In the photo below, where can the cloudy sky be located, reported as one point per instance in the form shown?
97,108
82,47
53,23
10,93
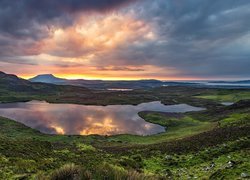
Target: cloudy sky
126,39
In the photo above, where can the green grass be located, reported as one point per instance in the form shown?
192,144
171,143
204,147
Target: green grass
103,171
26,153
227,96
236,119
199,165
191,143
176,128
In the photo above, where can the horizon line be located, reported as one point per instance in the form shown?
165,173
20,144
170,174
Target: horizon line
81,77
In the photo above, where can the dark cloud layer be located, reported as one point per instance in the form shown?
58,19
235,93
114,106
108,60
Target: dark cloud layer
201,38
24,22
24,18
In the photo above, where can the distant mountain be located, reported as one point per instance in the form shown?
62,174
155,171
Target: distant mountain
11,78
97,84
47,82
11,83
232,82
137,84
246,81
47,78
13,88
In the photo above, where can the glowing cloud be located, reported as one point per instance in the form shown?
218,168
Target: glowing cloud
92,36
162,39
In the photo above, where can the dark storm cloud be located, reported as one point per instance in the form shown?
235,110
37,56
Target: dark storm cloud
198,37
24,18
24,22
201,38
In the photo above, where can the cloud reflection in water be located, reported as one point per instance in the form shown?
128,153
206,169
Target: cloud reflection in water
85,120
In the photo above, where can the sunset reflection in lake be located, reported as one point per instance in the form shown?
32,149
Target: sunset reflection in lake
73,119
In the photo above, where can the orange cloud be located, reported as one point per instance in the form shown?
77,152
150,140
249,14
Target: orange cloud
88,50
96,35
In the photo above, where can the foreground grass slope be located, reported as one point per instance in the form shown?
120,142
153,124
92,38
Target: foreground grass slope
212,144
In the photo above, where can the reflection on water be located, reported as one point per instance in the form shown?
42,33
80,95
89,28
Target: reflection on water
227,103
84,120
119,89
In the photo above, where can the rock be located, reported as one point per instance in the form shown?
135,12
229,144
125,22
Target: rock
212,165
206,168
168,157
244,175
230,164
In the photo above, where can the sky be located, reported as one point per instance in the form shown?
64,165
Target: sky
126,39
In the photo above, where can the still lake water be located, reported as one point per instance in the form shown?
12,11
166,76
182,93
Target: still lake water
227,103
74,119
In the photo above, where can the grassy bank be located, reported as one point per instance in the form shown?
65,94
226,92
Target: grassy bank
227,95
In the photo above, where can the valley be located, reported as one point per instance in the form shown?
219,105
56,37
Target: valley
208,144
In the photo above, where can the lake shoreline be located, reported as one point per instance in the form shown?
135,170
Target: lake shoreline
89,118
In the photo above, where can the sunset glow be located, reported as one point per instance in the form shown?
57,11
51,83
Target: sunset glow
59,130
127,40
107,127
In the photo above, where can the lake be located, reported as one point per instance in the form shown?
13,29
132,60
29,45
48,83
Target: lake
74,119
227,103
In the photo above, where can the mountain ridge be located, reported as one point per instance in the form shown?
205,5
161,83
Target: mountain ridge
97,84
46,78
